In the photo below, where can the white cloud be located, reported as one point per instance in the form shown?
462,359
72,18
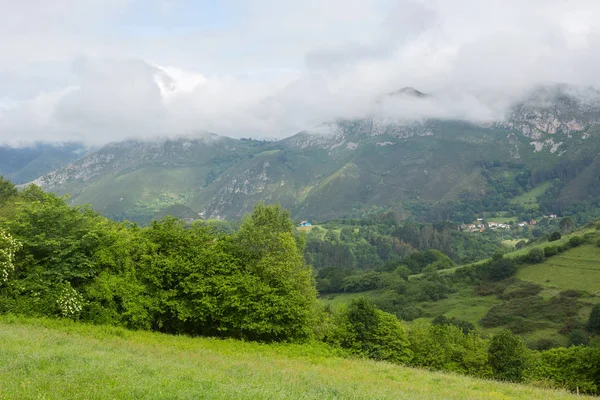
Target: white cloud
76,70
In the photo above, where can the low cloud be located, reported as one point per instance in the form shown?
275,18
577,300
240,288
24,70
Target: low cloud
271,69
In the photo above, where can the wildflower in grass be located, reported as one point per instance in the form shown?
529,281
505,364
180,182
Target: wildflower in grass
70,302
8,248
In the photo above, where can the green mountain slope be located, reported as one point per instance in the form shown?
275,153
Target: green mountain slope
23,164
60,359
351,168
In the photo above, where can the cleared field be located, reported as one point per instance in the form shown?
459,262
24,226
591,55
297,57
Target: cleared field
46,359
577,268
529,199
462,305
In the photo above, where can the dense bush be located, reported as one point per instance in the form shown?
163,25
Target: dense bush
555,236
593,325
365,330
447,347
575,368
501,268
168,277
535,255
508,356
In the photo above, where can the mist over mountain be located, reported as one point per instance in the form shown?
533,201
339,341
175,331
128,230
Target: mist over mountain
410,163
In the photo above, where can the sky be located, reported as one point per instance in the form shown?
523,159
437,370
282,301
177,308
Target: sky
97,71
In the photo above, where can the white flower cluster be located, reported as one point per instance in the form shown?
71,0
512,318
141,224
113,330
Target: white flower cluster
8,247
70,302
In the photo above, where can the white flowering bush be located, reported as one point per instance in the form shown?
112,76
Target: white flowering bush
8,248
70,302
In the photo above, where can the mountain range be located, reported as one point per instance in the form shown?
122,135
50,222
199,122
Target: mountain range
547,143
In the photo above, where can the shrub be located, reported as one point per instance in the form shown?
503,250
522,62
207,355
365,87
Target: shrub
555,236
507,356
550,251
575,368
535,255
576,241
446,347
365,330
593,324
501,268
544,344
578,338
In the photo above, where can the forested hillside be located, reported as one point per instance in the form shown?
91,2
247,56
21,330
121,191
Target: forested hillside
253,283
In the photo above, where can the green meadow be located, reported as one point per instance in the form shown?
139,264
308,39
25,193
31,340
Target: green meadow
58,359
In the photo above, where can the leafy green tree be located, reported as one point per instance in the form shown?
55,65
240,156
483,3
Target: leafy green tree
593,324
446,347
567,225
272,253
7,190
501,268
555,236
365,330
507,355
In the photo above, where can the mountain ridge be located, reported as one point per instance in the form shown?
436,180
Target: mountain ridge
340,168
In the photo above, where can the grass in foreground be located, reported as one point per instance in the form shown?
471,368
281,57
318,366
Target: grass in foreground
52,359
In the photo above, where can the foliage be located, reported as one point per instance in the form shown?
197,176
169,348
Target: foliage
365,330
535,255
447,347
576,368
593,324
555,236
507,356
501,268
8,247
168,277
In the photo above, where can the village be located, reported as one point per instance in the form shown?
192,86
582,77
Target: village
481,225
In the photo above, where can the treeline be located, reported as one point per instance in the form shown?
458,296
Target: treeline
361,244
169,277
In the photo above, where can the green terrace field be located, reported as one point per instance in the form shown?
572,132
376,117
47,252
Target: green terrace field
529,199
577,269
58,359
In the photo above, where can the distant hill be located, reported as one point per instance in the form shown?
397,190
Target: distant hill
426,169
24,164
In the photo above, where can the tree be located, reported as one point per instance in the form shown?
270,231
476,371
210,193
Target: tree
555,236
7,190
283,287
501,268
507,356
365,330
593,325
567,225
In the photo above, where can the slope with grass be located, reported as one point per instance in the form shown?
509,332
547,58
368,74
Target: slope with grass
544,302
55,359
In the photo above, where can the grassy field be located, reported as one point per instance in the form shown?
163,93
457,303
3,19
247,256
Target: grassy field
529,199
463,304
577,268
46,359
